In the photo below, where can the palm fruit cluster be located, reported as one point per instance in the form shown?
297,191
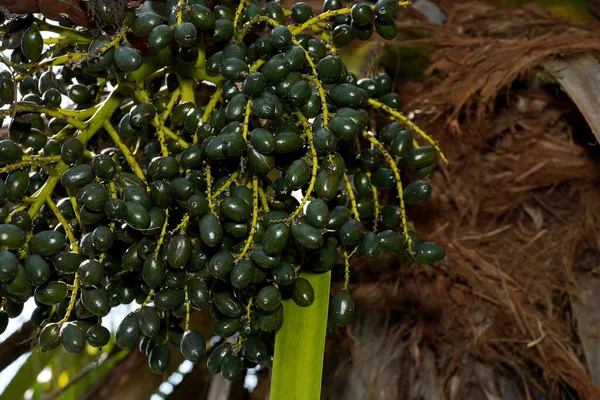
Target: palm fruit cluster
143,192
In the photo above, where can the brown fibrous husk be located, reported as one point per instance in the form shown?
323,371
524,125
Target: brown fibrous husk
516,209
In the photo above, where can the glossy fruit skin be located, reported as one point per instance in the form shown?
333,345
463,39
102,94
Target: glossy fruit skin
215,360
97,336
159,359
127,59
46,243
227,327
369,245
72,338
429,252
149,321
268,298
145,23
192,346
50,337
227,305
160,37
168,299
211,230
221,264
179,250
32,44
301,12
275,238
8,266
128,331
303,292
341,306
202,18
96,300
51,293
232,367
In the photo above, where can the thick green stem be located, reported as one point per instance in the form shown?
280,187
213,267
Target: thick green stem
95,123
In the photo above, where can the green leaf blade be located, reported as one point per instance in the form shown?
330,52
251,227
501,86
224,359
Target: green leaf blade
300,345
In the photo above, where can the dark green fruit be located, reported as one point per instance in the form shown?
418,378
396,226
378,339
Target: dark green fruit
17,184
38,270
47,243
362,14
303,292
137,216
327,184
78,176
351,233
341,308
385,30
72,338
90,272
343,128
233,69
198,292
369,245
307,236
159,359
149,321
202,18
221,264
301,12
317,213
8,265
281,37
330,69
97,336
223,30
128,331
268,322
391,242
324,141
228,305
160,37
10,152
275,238
32,44
153,272
347,95
383,178
71,150
168,299
235,209
96,300
50,293
297,174
145,23
127,59
422,157
242,274
49,337
215,360
268,298
262,259
192,346
254,349
428,253
417,192
211,230
179,250
232,367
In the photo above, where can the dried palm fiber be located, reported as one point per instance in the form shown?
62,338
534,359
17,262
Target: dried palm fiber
482,50
517,211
